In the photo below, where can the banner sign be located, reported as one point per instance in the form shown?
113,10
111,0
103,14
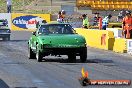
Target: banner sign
28,21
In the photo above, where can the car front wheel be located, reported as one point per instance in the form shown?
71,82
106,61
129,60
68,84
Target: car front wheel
39,56
8,38
83,55
31,54
72,57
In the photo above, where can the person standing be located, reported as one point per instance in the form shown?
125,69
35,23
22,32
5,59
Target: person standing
105,21
63,14
85,21
127,25
96,19
9,4
60,18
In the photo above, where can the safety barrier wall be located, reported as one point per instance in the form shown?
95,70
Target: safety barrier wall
101,39
104,39
117,32
129,46
27,22
120,45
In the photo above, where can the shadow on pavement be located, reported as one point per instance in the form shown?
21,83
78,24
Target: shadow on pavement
3,84
14,41
100,61
62,60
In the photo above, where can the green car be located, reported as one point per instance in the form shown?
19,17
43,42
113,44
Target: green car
57,39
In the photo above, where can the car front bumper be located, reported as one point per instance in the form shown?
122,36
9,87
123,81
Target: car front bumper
63,51
4,35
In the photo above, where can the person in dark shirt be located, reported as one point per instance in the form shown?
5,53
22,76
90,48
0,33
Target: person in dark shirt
9,4
96,19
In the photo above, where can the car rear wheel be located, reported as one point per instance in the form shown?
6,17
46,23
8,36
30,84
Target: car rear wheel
83,55
4,39
72,57
8,38
39,56
31,54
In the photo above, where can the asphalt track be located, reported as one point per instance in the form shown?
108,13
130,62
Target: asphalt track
16,70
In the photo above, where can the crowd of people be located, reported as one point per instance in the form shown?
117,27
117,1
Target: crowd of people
126,23
97,21
102,23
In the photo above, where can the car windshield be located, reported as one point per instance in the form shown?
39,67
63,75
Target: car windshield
56,29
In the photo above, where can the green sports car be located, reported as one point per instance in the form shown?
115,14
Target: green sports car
57,39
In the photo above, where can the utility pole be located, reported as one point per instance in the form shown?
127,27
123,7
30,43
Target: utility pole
23,3
51,7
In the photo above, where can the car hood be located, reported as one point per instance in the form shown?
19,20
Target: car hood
70,39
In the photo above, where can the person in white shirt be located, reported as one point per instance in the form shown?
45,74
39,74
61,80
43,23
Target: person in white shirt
9,3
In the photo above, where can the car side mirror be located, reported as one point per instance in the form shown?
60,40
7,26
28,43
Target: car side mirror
34,33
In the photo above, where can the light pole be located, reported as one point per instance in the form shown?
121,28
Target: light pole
50,6
23,3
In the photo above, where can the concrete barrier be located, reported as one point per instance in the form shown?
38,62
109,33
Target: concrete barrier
117,32
129,46
104,39
120,45
101,39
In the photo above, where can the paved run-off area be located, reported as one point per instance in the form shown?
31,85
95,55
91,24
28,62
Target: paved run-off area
16,70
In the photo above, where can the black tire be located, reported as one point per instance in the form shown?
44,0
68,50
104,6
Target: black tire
8,38
39,56
4,39
72,57
83,55
31,54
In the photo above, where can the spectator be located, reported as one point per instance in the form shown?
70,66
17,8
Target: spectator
85,21
121,15
9,3
127,25
96,19
60,18
105,21
63,14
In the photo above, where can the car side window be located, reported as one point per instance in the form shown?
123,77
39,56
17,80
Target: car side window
67,30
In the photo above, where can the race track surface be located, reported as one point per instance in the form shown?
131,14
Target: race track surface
16,70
